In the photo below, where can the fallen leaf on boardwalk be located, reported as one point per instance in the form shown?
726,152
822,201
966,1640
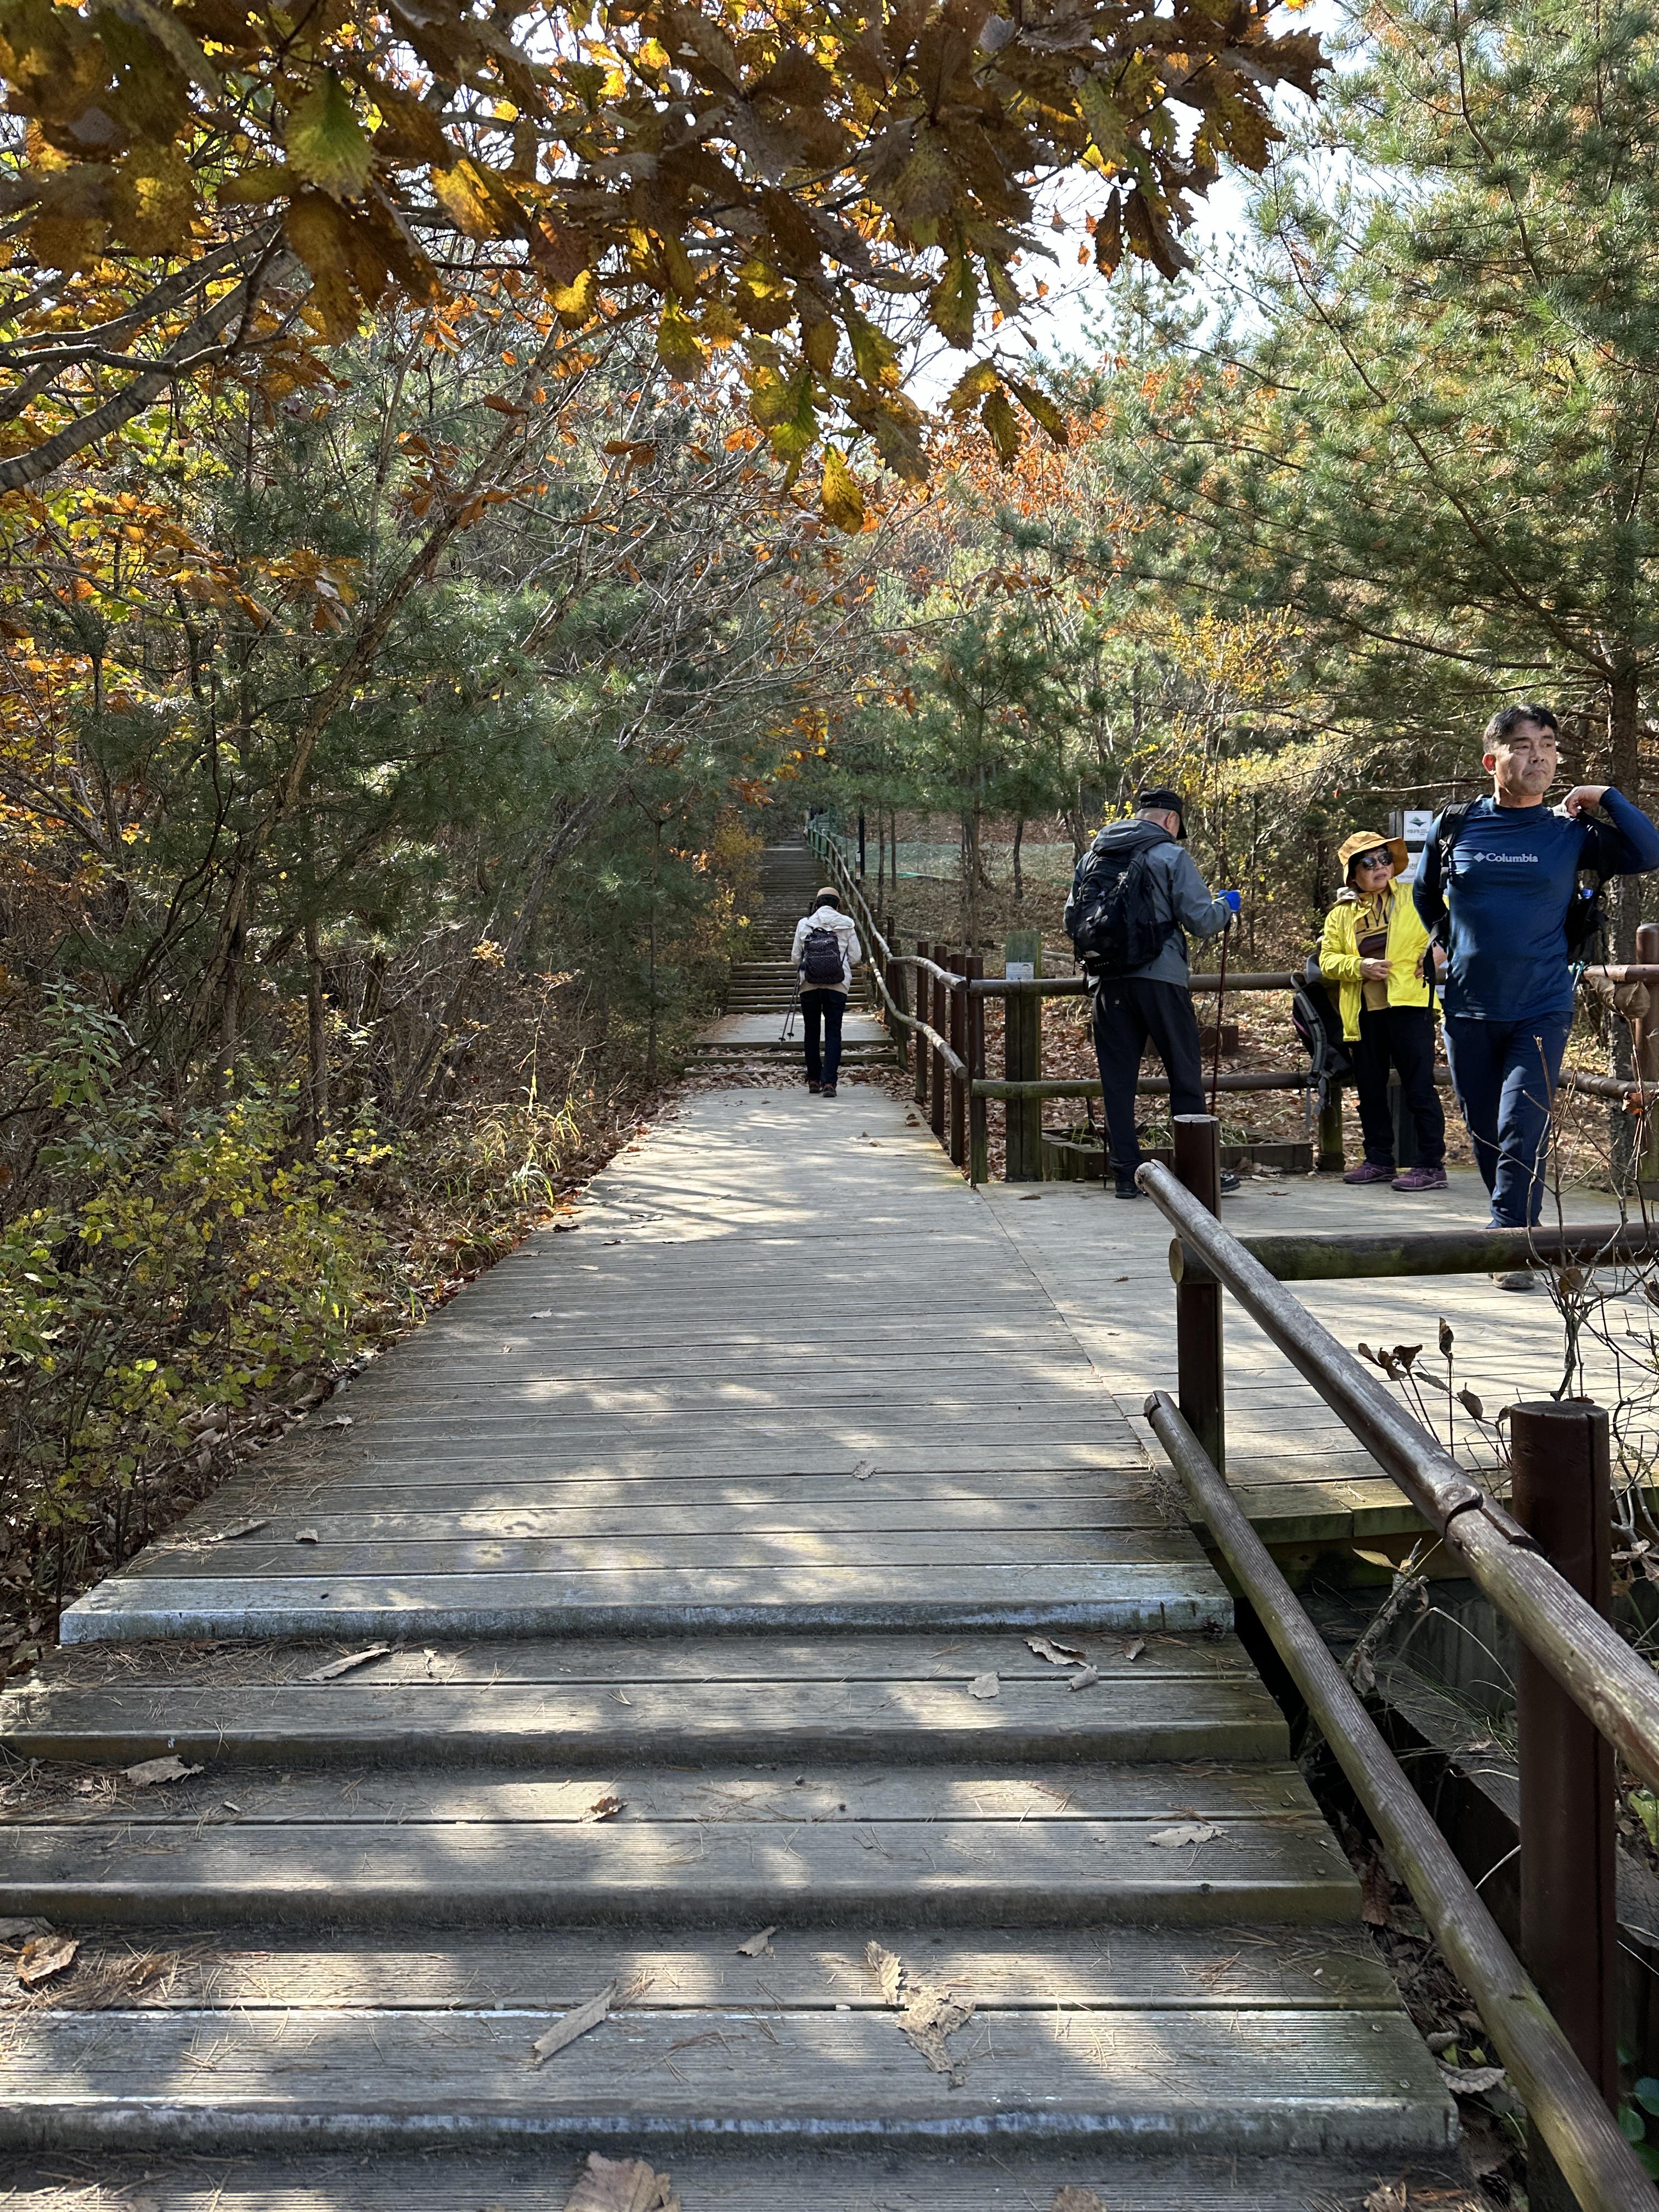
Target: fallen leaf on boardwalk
546,1314
43,1956
344,1666
1462,2080
242,1528
1376,1894
604,1809
340,1421
931,2017
1190,1832
620,2185
305,1536
888,1969
158,1770
758,1947
14,1931
984,1686
1133,1650
1073,2199
610,1999
1057,1655
863,1470
1085,1678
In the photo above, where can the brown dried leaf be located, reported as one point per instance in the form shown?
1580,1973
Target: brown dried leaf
863,1470
984,1686
1073,2199
305,1536
150,1771
241,1528
344,1666
14,1931
1405,1354
1376,1894
1472,1404
43,1956
1189,1832
1471,2081
759,1946
1085,1678
1057,1655
1133,1650
888,1970
931,2017
578,2022
1447,1338
604,1808
620,2185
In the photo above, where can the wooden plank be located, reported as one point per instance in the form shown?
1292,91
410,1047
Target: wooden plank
1271,2080
1150,1969
420,1723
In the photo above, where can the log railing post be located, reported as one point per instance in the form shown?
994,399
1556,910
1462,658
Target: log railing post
896,980
1328,1159
938,1016
1562,1497
979,1145
1647,1059
1198,1304
959,1036
923,1056
1022,1058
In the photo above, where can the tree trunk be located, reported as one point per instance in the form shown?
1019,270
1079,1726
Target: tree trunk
1019,879
317,1104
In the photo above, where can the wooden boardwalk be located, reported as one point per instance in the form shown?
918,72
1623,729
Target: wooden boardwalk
714,1547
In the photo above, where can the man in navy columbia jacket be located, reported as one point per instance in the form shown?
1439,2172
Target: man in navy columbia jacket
1511,875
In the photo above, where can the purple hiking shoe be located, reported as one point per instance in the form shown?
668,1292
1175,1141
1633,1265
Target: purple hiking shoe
1368,1171
1421,1179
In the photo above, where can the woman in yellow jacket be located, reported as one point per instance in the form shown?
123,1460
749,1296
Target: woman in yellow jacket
1376,950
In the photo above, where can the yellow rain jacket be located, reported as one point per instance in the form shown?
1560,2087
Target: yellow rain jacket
1339,955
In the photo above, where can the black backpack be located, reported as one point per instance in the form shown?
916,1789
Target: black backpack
820,960
1585,923
1115,917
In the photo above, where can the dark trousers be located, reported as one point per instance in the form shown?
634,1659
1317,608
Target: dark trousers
1126,1014
1505,1073
826,1009
1402,1036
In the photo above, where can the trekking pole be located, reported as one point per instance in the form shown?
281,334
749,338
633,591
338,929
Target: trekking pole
1220,996
789,1018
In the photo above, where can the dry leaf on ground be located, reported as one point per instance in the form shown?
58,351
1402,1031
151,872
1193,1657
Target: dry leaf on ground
43,1956
344,1666
305,1536
150,1771
1085,1678
984,1686
611,1999
1462,2080
863,1470
888,1969
604,1808
1376,1894
930,2017
1073,2199
242,1528
1057,1655
620,2185
1133,1650
758,1947
1189,1832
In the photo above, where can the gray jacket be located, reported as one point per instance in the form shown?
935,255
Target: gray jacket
1180,891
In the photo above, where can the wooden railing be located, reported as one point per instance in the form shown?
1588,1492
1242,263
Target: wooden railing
944,1030
1543,1560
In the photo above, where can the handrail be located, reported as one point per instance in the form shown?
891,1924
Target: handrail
848,883
1597,1670
1598,2165
1341,1256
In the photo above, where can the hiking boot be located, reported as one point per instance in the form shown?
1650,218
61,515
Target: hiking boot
1126,1186
1369,1172
829,1090
814,1088
1421,1179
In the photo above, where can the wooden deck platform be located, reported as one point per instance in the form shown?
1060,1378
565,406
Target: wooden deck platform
704,1573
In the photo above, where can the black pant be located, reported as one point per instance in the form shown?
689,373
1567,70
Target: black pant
826,1007
1404,1035
1126,1014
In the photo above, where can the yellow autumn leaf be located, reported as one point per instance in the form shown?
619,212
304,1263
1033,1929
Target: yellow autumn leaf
841,498
153,199
326,144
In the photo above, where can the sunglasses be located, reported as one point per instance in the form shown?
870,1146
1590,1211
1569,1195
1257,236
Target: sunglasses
1375,861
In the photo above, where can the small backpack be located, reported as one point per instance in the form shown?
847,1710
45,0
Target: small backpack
820,960
1113,916
1585,923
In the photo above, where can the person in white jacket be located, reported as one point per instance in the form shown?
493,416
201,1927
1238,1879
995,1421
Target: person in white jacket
826,951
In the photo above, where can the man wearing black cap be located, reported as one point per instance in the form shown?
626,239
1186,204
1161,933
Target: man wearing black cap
1136,895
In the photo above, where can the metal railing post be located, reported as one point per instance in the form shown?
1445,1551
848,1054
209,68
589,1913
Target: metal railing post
979,1142
957,1034
937,1017
1647,1058
923,1056
1198,1303
1022,1058
1562,1496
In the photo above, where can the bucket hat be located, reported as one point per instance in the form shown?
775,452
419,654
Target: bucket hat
1370,841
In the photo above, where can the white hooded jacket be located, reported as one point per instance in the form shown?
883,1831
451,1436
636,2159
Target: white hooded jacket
830,917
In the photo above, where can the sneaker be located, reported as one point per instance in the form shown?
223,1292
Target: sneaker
1369,1172
1516,1278
1126,1186
1421,1179
814,1088
1230,1182
829,1090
